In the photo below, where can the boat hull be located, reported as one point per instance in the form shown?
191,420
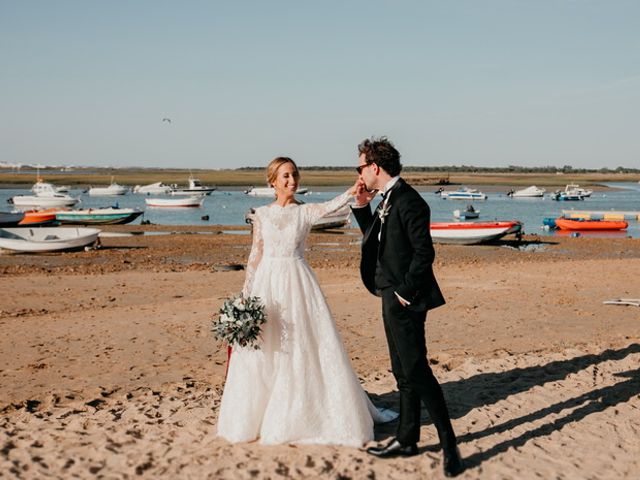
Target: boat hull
185,202
32,201
472,233
98,216
47,239
590,225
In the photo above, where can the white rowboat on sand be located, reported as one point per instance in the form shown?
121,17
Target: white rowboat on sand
46,239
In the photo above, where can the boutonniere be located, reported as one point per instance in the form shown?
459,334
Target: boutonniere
384,211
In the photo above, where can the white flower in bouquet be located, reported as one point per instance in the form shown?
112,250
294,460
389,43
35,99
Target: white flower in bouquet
239,321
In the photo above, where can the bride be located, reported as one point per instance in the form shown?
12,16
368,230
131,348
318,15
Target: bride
299,387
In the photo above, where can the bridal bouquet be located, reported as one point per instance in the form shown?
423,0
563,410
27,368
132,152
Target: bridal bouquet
239,321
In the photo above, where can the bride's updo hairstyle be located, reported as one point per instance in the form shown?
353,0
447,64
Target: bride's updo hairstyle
275,164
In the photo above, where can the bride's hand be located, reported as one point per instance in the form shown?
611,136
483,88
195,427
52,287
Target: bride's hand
361,194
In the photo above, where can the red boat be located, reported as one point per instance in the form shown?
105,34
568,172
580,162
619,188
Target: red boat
591,225
469,233
37,219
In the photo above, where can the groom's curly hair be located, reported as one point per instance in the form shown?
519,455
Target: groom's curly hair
381,152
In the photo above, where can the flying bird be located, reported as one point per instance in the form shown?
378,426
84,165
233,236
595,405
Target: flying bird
166,120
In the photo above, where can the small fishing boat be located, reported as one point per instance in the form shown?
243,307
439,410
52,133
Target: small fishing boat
47,239
181,202
35,218
562,196
98,216
152,189
10,219
43,200
270,191
591,225
44,187
111,190
195,187
473,232
529,192
463,193
467,214
574,189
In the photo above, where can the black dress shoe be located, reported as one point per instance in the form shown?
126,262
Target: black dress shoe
393,449
453,464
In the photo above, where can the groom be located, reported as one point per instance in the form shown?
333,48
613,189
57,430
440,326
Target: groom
397,258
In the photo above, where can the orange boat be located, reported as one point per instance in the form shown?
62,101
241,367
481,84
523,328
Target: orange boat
573,224
36,218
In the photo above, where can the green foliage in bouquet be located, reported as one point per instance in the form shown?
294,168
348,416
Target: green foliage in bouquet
239,321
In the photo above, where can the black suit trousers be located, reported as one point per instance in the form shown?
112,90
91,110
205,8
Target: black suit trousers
408,351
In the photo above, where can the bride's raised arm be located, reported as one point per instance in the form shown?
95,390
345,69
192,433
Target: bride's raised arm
254,256
315,211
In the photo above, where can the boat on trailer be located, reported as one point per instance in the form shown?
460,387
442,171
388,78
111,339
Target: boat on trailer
472,233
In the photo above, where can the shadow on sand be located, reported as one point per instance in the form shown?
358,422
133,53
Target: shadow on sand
489,388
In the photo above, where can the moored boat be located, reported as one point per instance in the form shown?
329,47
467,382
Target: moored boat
466,214
463,193
43,200
153,188
195,187
592,225
46,239
180,202
98,216
529,192
473,232
111,190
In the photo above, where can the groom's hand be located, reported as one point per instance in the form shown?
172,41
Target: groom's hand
362,195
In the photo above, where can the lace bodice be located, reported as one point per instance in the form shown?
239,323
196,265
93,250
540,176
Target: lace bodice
281,232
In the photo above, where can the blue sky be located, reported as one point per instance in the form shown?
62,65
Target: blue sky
487,83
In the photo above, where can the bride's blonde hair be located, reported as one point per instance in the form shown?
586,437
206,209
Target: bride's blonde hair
275,164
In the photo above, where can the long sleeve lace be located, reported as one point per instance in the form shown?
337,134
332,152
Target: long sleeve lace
315,211
254,256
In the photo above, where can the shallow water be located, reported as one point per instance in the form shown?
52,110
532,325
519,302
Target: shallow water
229,207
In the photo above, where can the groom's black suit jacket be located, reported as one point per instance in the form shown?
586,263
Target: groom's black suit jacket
403,257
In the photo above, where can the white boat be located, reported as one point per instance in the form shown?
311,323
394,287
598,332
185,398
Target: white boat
43,200
337,219
573,189
42,187
181,202
153,188
195,187
473,232
528,192
46,239
463,193
467,214
270,191
113,189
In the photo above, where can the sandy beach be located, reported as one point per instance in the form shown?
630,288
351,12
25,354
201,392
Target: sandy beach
108,368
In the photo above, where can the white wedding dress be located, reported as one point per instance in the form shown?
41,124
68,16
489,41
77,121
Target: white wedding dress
299,387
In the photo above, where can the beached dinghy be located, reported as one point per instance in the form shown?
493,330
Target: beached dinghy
176,202
473,232
592,225
46,239
99,216
10,219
